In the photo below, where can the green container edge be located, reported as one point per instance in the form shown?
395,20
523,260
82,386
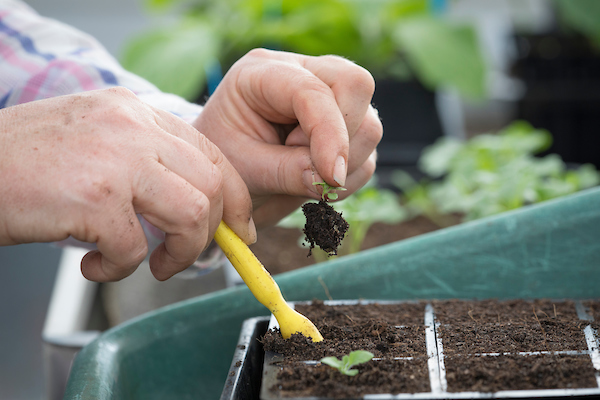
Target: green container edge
183,351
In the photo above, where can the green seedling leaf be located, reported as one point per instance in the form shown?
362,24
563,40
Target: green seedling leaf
175,58
443,53
329,192
359,357
347,362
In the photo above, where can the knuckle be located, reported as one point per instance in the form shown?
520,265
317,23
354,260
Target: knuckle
355,76
360,80
181,260
313,88
116,106
96,191
195,214
373,128
259,53
215,181
119,91
214,185
210,150
138,251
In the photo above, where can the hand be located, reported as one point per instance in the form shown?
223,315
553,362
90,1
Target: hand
285,121
83,165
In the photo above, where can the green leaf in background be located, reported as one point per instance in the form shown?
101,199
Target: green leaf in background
175,58
492,173
443,53
159,4
393,39
581,15
435,160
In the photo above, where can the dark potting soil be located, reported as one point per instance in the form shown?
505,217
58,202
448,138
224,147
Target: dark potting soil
387,331
504,372
301,380
325,227
511,326
373,327
487,346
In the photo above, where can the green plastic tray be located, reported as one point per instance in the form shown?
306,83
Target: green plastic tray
550,250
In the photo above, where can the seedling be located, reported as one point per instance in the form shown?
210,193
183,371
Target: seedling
347,362
329,192
367,206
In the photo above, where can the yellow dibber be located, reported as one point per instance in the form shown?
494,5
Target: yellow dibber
262,285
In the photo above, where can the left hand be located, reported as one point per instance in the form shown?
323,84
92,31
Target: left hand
286,120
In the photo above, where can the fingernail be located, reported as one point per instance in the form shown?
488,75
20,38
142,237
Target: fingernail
252,235
339,171
309,177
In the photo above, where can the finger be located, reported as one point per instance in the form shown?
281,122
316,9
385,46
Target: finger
278,206
307,99
190,157
352,85
174,206
193,165
367,137
365,141
120,251
282,170
359,177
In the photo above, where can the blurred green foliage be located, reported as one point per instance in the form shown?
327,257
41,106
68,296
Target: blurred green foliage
393,39
465,180
490,174
582,16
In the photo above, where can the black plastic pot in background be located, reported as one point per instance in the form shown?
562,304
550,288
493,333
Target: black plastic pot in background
562,79
410,123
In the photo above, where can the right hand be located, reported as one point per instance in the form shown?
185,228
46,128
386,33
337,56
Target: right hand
84,165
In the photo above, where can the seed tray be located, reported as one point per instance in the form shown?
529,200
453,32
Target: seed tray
442,383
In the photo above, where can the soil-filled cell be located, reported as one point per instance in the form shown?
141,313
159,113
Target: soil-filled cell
514,372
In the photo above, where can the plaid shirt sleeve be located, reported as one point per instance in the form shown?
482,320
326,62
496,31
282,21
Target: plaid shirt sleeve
42,58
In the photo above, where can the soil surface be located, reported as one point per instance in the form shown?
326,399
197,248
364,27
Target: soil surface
504,372
487,346
387,331
325,227
280,251
510,326
301,380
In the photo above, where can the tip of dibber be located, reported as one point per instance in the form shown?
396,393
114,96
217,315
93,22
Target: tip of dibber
303,326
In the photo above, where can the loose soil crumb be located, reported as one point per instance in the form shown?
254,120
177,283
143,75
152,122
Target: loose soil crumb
324,227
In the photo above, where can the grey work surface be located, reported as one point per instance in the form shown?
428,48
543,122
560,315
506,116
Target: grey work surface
27,273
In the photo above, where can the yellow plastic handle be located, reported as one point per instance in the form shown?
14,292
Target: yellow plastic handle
262,285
